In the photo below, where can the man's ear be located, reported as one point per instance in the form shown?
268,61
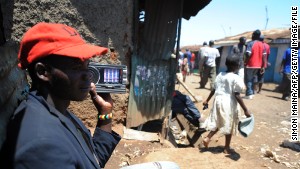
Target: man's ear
42,71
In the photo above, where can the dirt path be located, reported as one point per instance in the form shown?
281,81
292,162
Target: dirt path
272,117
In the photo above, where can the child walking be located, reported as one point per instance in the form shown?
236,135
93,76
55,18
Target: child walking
225,110
184,67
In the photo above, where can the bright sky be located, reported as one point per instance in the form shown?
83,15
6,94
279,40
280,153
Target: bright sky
221,18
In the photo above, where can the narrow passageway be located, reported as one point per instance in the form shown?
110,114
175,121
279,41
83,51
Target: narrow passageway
272,129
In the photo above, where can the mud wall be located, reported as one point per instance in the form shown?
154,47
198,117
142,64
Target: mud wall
101,22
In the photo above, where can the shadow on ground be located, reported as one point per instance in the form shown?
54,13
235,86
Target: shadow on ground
219,149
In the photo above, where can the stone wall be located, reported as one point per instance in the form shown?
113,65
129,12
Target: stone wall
101,22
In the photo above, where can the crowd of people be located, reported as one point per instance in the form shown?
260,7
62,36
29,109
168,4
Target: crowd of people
253,62
246,65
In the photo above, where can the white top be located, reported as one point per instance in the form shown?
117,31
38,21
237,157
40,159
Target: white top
225,110
201,52
228,83
211,54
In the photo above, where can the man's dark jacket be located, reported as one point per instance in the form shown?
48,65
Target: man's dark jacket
40,137
183,104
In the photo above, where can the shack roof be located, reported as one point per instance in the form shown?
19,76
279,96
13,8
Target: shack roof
192,7
271,35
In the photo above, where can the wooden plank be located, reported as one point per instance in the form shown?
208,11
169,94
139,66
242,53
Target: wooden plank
197,99
193,134
131,134
167,136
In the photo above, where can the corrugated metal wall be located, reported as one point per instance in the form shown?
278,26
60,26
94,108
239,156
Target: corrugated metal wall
12,80
150,91
13,86
153,69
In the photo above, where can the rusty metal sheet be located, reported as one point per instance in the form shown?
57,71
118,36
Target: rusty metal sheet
151,90
152,67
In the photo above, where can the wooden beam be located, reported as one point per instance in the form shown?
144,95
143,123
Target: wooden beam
193,134
197,99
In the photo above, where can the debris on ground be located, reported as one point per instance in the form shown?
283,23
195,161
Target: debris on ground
270,154
181,138
131,134
292,145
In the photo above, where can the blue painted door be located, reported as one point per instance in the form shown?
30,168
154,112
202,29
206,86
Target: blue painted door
277,76
271,71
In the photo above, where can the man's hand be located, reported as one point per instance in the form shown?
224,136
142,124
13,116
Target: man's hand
104,104
262,70
102,101
204,103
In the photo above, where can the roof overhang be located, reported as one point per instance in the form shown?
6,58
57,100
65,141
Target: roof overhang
192,7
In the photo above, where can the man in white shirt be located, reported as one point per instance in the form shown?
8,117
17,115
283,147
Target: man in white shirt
209,71
201,58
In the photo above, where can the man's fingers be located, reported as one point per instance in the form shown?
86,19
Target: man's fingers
93,92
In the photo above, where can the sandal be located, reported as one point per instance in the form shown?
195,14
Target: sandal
227,151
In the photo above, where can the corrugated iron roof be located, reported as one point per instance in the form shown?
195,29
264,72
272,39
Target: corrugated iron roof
271,35
192,7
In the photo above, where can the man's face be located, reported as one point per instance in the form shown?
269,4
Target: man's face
70,79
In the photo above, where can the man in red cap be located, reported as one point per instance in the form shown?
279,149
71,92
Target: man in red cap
42,133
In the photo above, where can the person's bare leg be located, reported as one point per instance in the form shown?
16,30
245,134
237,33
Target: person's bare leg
227,143
206,140
259,87
255,86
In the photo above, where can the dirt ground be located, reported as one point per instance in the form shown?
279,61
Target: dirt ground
267,147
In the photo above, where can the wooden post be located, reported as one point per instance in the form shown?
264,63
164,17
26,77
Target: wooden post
187,89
